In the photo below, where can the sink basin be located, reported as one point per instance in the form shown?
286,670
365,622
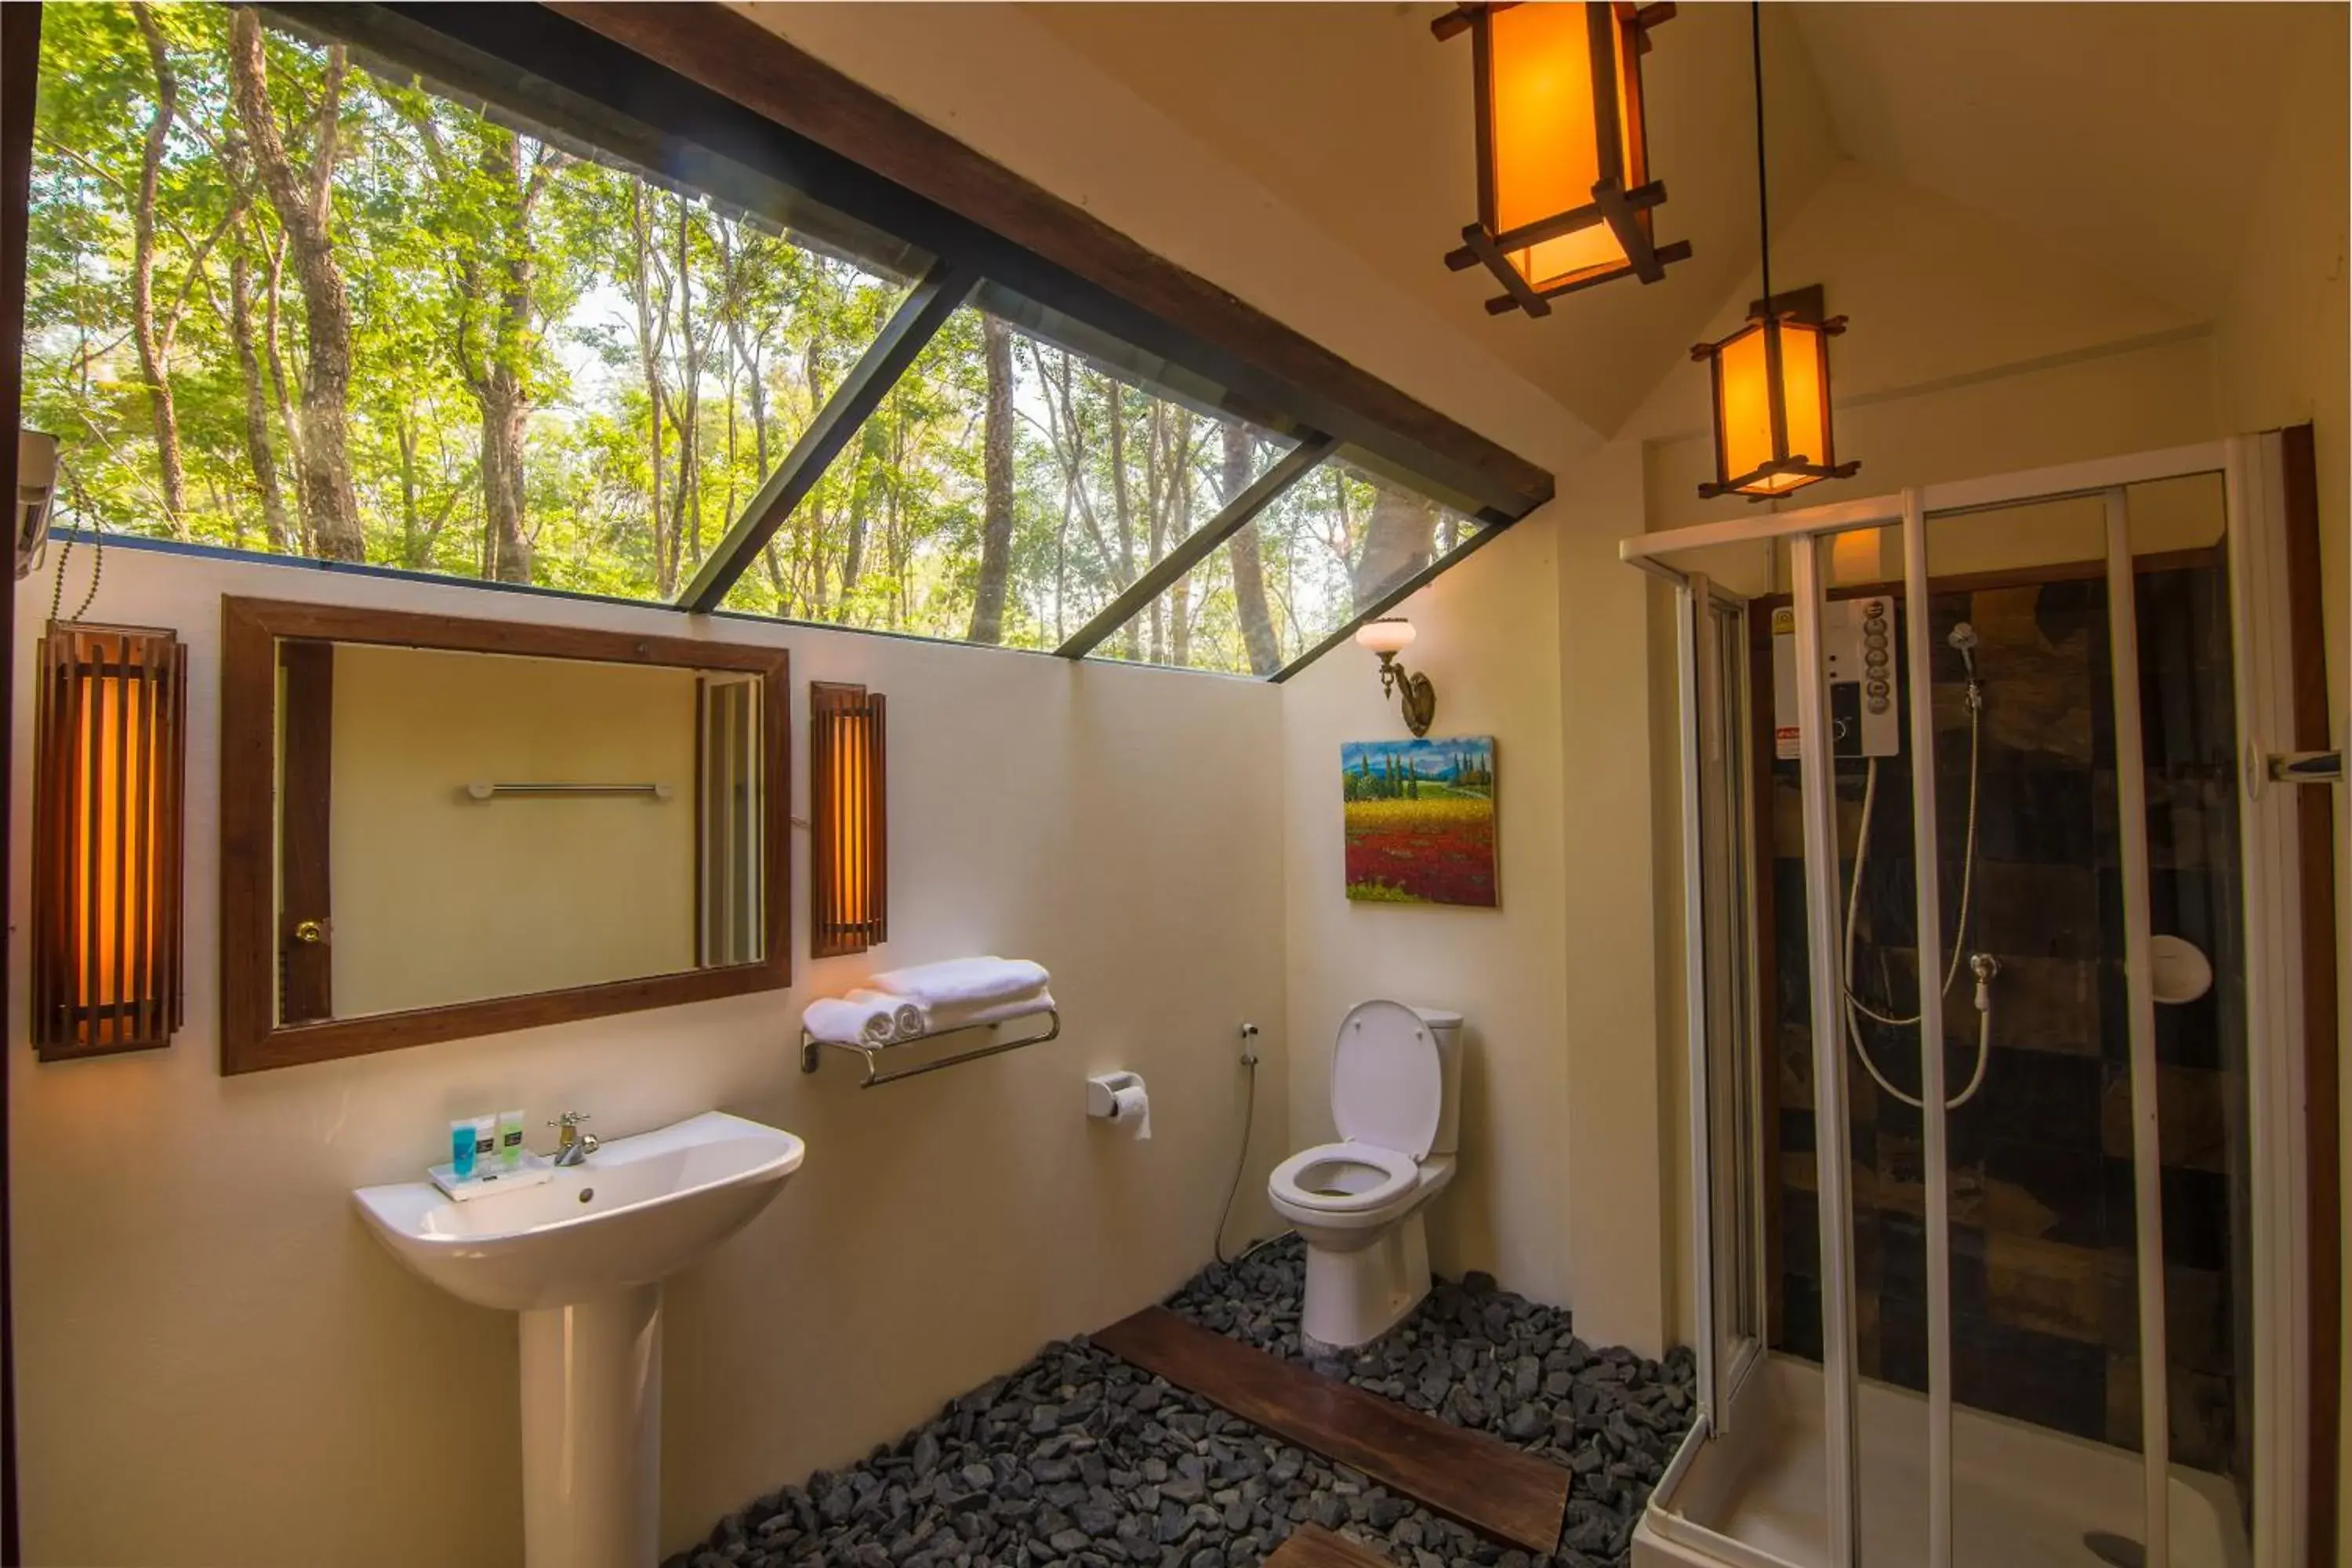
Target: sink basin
639,1210
581,1256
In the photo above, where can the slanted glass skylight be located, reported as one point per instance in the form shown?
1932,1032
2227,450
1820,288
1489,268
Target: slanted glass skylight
420,293
1006,491
1337,545
547,369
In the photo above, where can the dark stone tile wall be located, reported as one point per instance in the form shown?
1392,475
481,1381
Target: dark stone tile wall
2043,1263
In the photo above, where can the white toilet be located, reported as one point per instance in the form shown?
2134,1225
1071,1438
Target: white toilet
1396,1073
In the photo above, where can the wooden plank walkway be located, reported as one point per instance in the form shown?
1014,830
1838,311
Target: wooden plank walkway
1312,1546
1467,1476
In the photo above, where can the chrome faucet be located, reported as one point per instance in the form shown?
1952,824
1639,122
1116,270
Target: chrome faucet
572,1146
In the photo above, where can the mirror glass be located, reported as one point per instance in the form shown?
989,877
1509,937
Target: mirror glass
456,826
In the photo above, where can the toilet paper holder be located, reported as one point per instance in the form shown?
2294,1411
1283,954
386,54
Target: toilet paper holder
1102,1093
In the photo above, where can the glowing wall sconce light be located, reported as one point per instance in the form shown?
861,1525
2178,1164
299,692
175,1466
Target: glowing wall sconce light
1772,377
1388,637
1565,196
850,886
109,725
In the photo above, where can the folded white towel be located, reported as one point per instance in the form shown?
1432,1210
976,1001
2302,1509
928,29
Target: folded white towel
970,1014
906,1018
860,1018
958,981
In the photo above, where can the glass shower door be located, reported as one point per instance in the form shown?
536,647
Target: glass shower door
1727,1069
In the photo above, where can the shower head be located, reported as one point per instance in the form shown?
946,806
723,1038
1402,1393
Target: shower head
1963,639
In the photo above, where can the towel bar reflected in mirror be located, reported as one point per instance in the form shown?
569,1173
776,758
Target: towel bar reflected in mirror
480,790
812,1047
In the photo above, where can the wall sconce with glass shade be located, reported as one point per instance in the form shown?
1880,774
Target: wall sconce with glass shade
1565,196
109,766
1388,637
1771,378
850,883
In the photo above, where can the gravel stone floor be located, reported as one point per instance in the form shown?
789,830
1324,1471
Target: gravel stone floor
1079,1459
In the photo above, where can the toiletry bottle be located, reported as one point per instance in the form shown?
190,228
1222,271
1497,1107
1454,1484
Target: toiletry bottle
509,1140
486,1145
461,1149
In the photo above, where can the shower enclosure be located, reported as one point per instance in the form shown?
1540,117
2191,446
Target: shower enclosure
2035,1295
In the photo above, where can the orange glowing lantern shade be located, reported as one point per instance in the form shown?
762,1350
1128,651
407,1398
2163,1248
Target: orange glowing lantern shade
109,769
848,820
1565,196
1772,399
1772,377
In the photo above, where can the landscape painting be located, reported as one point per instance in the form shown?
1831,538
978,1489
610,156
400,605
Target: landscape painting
1420,821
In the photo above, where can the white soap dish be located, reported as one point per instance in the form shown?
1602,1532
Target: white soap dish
534,1169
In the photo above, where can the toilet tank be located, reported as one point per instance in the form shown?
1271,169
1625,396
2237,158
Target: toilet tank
1445,1028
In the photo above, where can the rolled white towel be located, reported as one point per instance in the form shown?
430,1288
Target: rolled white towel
906,1018
860,1018
970,1014
962,982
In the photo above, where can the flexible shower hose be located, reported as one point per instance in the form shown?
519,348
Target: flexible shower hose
1855,1005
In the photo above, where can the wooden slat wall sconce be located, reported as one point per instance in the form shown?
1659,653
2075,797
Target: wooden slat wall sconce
109,728
1565,196
849,885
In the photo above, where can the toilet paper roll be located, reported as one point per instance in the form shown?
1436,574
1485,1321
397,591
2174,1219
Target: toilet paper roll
1131,1109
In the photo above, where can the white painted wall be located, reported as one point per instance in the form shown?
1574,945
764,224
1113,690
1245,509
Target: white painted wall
218,1364
1505,1211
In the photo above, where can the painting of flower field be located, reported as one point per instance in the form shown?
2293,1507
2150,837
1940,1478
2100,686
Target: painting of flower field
1420,821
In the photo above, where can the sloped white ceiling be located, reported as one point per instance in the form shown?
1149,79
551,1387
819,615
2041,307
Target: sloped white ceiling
2130,135
1357,118
2124,136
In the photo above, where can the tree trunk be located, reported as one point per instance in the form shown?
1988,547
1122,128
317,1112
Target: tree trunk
1155,485
412,516
506,412
258,450
273,294
1248,563
649,361
689,446
1123,507
153,370
861,494
1399,541
330,504
1179,506
504,391
996,470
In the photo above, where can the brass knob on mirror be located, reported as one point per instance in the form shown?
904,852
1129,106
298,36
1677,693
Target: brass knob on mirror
310,930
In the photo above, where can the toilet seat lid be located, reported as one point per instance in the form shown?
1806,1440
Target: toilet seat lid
1387,1082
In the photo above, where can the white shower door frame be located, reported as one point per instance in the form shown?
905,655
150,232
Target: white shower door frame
2251,468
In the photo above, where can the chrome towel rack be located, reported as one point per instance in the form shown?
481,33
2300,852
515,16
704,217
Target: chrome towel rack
812,1048
482,790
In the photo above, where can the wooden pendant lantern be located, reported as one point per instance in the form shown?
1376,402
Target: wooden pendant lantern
850,886
1772,399
1565,196
109,723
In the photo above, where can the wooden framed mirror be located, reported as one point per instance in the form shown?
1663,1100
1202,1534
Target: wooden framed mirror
433,827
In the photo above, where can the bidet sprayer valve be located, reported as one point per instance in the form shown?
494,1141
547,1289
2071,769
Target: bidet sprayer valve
1249,1051
1984,965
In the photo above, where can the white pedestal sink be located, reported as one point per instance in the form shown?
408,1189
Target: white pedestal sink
582,1259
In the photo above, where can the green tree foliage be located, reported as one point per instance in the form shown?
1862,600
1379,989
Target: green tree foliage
279,303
